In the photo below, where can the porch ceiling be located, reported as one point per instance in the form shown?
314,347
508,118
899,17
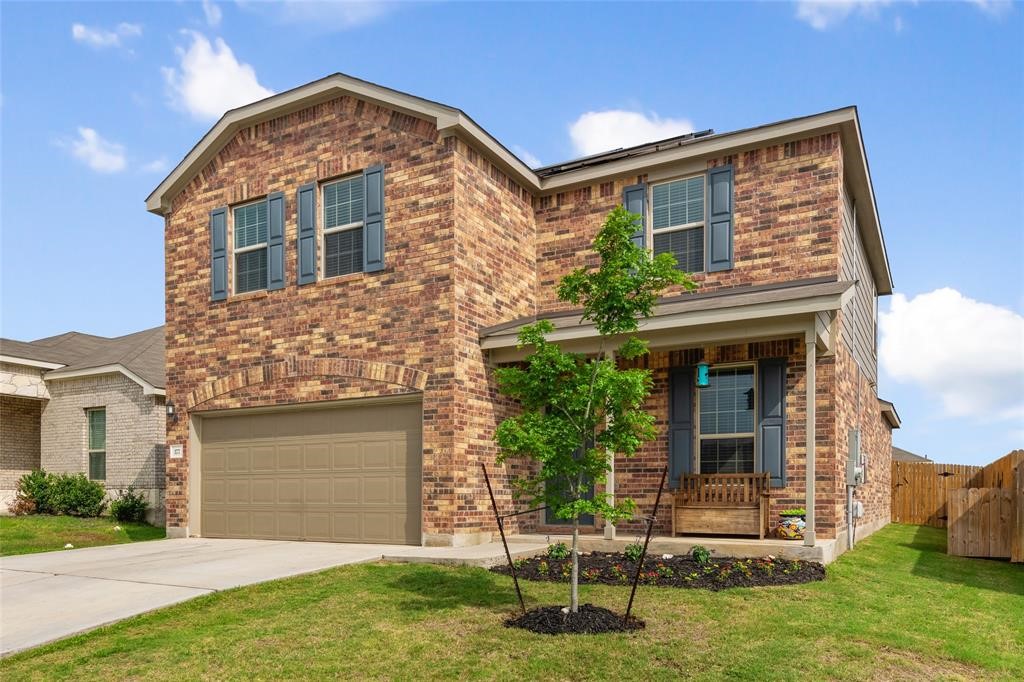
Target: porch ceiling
742,314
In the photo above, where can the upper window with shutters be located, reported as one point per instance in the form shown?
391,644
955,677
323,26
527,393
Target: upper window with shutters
677,221
343,227
250,247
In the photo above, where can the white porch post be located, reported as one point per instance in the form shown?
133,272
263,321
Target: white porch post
609,485
811,353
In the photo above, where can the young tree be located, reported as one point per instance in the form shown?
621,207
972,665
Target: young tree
579,411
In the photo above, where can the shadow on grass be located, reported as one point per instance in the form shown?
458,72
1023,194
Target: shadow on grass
984,574
432,588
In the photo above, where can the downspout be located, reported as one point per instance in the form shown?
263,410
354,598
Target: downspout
811,358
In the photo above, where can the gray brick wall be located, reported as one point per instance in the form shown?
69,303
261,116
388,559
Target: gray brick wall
19,443
136,433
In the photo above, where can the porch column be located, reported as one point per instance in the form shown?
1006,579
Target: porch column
609,485
811,353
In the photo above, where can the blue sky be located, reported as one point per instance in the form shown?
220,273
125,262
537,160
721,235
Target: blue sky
99,100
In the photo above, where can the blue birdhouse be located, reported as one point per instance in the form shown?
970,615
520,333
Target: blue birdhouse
702,374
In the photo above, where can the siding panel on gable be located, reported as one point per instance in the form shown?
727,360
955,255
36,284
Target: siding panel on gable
858,323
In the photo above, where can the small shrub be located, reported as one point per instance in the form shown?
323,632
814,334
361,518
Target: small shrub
129,506
799,511
591,574
34,493
700,554
516,563
558,551
567,569
543,567
633,551
664,571
76,495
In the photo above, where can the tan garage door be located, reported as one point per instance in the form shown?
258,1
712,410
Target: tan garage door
349,474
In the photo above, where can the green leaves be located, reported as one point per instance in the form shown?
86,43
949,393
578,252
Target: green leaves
578,411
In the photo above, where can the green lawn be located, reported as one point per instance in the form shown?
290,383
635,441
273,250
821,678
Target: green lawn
895,608
44,533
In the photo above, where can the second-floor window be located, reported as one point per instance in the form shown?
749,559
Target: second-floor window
343,227
250,245
677,220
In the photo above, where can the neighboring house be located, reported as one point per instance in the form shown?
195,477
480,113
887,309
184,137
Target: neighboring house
346,264
86,404
901,455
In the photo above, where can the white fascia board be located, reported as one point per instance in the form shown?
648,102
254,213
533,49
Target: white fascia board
117,368
25,362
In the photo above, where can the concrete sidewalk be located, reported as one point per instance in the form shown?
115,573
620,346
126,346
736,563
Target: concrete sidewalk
52,595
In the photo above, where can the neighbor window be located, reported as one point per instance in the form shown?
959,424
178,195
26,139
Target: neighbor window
97,420
677,212
250,244
727,421
343,227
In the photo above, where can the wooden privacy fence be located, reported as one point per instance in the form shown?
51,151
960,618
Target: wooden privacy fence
987,518
920,490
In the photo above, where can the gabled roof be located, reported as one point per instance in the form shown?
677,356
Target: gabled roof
901,455
140,355
633,160
888,410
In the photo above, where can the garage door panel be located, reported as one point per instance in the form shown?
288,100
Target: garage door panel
317,491
342,474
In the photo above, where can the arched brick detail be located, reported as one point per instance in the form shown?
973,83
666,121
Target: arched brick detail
294,366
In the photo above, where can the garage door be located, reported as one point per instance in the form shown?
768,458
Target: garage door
349,474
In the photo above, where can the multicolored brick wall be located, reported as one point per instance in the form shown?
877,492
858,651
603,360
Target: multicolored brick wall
787,219
403,315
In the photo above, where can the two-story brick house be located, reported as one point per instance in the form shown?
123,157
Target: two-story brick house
347,263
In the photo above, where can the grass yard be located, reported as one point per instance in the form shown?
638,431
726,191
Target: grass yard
895,608
44,533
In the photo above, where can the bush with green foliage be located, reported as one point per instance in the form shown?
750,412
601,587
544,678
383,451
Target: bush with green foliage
799,511
633,551
700,554
559,551
40,492
129,506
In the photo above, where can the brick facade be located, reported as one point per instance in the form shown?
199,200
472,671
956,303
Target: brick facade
135,451
19,443
467,248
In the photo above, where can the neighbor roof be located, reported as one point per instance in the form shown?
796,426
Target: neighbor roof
140,355
633,160
901,455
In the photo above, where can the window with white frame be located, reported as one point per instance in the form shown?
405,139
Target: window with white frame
677,221
250,246
726,414
97,424
343,227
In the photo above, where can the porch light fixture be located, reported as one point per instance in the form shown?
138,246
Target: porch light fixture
170,409
702,374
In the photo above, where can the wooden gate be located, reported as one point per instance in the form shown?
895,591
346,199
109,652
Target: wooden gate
981,522
920,490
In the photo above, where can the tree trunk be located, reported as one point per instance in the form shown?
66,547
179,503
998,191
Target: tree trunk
574,579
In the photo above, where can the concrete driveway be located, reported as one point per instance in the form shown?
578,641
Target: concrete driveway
48,596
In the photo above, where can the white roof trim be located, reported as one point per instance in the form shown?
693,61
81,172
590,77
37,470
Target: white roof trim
14,360
116,368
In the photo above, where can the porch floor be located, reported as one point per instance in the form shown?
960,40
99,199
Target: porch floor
823,551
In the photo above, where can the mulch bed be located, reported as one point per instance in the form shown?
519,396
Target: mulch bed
678,571
589,620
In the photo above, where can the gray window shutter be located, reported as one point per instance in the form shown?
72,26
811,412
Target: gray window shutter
634,200
306,209
680,423
720,222
219,254
275,241
771,415
373,219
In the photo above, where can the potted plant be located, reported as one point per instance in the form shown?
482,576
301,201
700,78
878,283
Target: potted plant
791,524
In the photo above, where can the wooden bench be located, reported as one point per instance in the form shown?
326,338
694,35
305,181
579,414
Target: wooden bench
721,504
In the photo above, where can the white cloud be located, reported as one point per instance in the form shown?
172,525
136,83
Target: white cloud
599,131
103,156
526,157
995,8
100,38
823,14
155,166
209,80
967,353
212,12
